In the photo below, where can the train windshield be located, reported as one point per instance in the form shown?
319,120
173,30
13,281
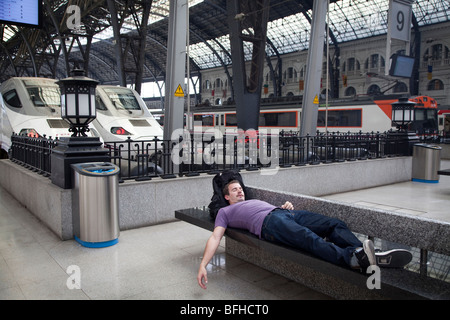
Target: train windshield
425,119
45,96
122,98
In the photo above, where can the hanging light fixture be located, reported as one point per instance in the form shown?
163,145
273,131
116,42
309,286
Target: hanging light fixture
78,102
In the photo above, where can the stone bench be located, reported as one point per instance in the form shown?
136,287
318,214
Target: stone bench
336,281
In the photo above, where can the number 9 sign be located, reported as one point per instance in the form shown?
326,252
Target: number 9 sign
400,19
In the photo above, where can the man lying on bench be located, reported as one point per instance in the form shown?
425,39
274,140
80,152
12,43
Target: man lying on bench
297,228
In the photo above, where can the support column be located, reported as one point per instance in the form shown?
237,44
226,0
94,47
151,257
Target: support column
251,14
117,45
176,68
310,104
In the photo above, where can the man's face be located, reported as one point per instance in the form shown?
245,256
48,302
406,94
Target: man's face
236,194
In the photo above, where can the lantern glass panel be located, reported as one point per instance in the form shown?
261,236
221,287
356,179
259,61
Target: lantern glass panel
83,105
63,105
93,110
71,105
407,115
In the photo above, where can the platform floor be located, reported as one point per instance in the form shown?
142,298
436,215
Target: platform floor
161,262
429,200
158,262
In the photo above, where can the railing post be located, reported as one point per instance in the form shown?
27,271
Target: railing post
423,262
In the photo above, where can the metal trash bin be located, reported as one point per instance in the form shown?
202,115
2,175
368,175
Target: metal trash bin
426,163
95,203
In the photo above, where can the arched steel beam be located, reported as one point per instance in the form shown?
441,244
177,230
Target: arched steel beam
11,60
58,32
30,51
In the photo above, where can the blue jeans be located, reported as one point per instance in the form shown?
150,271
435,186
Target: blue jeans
306,230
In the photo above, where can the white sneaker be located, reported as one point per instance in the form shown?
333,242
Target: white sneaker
366,255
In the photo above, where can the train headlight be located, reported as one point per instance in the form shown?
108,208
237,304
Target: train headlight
29,133
120,131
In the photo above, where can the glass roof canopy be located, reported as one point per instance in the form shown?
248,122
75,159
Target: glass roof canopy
348,20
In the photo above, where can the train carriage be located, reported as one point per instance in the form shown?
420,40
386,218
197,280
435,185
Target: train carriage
345,115
32,106
444,124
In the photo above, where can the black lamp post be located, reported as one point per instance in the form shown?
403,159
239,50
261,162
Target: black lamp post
402,113
402,141
78,102
78,109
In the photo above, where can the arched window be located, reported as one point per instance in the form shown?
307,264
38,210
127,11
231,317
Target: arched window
400,87
352,64
350,91
218,84
374,62
435,84
436,53
374,90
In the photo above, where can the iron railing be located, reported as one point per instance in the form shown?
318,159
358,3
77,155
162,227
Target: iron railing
32,153
193,154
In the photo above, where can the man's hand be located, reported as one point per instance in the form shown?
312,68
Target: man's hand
202,275
211,247
288,206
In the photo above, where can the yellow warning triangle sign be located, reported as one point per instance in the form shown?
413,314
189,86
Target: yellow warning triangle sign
179,92
316,100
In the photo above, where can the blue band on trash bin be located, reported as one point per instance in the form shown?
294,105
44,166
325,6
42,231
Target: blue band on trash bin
96,244
426,181
102,171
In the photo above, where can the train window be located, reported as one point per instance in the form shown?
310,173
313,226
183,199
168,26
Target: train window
425,114
12,98
123,98
278,119
99,104
231,120
206,119
45,96
341,118
425,119
268,119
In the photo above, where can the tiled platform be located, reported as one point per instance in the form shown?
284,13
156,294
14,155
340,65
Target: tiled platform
160,262
429,200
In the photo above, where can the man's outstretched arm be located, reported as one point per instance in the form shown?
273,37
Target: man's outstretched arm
211,246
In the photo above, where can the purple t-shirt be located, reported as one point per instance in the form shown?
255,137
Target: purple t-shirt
248,215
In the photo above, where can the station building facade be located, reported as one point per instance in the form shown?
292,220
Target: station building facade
360,67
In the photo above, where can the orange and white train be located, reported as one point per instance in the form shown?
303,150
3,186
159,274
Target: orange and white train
344,115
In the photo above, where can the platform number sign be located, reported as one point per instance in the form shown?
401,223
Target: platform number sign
400,19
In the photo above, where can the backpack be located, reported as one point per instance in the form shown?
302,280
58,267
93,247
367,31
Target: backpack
219,181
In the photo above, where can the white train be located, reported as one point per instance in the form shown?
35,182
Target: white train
32,106
121,113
